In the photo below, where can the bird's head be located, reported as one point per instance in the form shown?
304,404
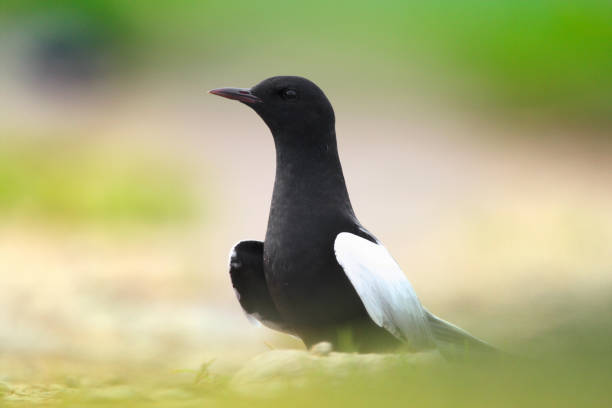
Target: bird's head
294,108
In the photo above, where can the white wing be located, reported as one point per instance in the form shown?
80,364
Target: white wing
384,290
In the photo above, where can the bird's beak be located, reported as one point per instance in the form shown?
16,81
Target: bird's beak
239,94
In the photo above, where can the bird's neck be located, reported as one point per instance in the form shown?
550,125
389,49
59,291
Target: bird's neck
309,182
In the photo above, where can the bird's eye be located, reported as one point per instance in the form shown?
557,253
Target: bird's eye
289,94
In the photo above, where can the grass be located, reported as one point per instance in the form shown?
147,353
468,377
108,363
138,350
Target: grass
566,381
76,185
569,366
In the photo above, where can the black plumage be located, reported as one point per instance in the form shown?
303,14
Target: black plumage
302,279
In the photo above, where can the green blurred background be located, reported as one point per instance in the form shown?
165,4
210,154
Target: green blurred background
123,184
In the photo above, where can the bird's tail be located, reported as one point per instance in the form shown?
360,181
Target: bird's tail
455,342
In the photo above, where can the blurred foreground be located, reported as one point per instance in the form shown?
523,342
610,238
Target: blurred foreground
578,376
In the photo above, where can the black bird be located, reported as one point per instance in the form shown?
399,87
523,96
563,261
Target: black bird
320,274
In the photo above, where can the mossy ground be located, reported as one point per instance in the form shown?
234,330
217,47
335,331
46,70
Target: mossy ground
567,367
567,382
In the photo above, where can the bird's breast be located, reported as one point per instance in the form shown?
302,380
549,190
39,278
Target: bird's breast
304,278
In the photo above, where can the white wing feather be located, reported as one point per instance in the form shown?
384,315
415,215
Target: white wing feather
384,290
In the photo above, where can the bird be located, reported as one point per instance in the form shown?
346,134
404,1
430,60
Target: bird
319,274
